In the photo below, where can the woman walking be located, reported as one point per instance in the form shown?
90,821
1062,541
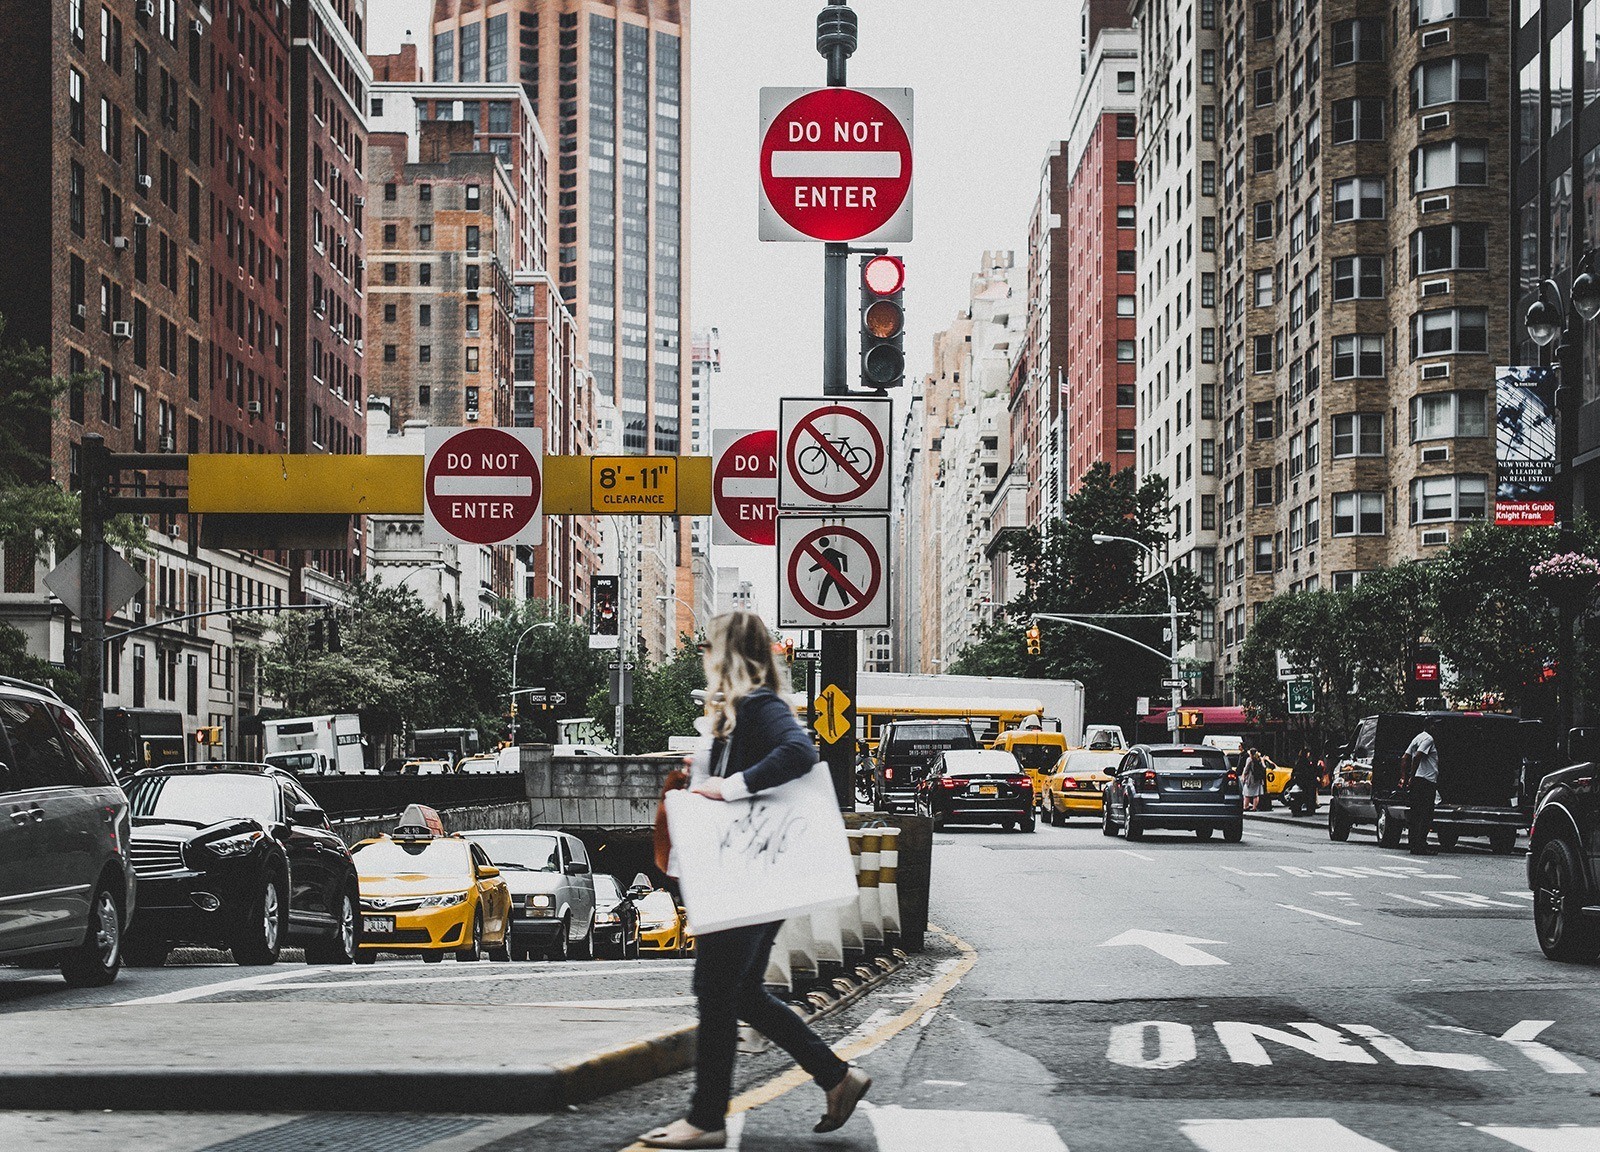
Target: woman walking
758,745
1254,780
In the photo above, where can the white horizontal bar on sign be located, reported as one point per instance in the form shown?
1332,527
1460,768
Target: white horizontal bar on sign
836,165
482,486
734,489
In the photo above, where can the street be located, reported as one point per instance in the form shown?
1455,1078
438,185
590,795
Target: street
1081,993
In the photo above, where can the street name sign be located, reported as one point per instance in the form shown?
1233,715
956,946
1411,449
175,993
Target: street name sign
629,484
482,486
744,486
832,572
836,164
1180,682
1302,697
835,454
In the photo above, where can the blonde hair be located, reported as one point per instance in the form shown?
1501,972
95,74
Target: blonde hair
739,661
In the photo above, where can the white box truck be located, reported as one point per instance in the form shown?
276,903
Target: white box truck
316,745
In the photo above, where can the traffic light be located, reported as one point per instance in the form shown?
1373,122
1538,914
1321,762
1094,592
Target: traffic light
208,737
883,322
788,651
604,616
1034,646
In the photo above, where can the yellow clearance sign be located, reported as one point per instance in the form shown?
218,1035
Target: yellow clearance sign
634,483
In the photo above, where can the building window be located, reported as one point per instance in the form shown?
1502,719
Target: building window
1357,356
1263,556
444,57
425,394
1125,352
472,317
1262,419
75,104
1208,66
425,354
1127,126
1125,442
1442,415
1262,221
1208,233
1125,306
1208,122
1208,516
1358,198
1264,291
391,353
474,197
1433,11
1208,177
1127,216
1357,41
1359,119
1208,345
1263,87
389,311
1357,277
1297,529
1358,514
1313,510
472,358
1456,78
1358,434
1125,83
425,315
389,234
1126,171
1313,435
1261,358
391,192
1449,164
391,273
1448,247
474,239
1208,289
1450,330
1127,260
1264,156
1436,498
1208,457
377,106
1261,488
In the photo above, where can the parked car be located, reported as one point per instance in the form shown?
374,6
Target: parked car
1564,864
663,928
616,919
1076,786
238,856
1183,787
427,893
906,750
973,786
552,890
66,884
1480,776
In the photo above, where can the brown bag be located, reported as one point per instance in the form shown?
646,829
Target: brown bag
676,779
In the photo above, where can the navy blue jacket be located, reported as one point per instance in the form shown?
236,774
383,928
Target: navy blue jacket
769,746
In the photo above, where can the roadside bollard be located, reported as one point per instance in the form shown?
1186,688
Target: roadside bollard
850,932
827,941
796,933
871,913
889,887
779,974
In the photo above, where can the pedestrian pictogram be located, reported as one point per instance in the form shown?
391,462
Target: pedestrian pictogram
835,454
482,486
830,707
744,486
833,572
836,164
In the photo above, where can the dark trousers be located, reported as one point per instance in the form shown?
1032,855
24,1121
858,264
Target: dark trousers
729,970
1422,797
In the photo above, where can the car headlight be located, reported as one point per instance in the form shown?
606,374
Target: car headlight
236,845
657,925
443,900
540,901
607,918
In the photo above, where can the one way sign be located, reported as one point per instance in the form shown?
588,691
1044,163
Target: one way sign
833,572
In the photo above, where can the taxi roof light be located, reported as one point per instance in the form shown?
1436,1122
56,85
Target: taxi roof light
418,822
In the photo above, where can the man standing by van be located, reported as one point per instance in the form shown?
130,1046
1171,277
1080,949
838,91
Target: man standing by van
1421,764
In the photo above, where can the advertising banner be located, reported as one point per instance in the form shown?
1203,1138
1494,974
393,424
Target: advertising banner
1525,446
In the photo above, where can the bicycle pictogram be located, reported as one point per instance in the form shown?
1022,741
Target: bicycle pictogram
852,459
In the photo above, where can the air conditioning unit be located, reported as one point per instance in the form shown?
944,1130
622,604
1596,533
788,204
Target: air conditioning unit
1438,454
280,428
317,244
1436,371
1435,204
146,180
197,28
1435,536
361,201
1435,120
167,442
472,414
145,8
140,220
254,407
1440,287
81,311
1436,37
361,346
121,330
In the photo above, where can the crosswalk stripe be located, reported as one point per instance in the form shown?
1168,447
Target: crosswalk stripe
917,1130
1548,1139
1321,1133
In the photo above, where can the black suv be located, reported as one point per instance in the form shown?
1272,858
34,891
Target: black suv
906,752
238,856
1564,863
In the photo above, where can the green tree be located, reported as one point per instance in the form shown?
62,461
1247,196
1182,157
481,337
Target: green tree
1064,571
16,660
1311,629
662,705
557,658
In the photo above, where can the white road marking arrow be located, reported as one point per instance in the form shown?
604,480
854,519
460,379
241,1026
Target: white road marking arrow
1175,948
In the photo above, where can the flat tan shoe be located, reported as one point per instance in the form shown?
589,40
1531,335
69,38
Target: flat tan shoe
682,1134
842,1100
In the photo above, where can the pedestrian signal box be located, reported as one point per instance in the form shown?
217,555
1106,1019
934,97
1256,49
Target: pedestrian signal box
208,737
1191,718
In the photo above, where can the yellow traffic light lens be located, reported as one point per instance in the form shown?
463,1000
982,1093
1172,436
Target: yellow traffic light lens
884,320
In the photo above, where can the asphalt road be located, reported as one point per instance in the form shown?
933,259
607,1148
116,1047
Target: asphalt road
1283,993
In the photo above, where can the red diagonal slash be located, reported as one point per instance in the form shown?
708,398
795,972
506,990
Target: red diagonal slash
838,457
838,577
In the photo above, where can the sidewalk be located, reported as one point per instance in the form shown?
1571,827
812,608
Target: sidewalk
1280,815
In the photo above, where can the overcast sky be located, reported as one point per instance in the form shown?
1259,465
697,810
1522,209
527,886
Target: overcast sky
992,80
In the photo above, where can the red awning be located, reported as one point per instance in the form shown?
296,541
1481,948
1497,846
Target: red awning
1212,716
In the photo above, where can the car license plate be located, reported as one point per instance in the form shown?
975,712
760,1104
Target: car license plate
988,789
377,923
1196,785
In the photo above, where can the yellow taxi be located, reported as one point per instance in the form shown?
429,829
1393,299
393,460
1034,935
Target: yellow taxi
663,928
1076,786
1277,780
426,893
1036,751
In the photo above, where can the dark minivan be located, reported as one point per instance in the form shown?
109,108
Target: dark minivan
906,751
1480,778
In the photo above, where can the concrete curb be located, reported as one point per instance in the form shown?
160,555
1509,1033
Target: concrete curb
488,1089
1319,820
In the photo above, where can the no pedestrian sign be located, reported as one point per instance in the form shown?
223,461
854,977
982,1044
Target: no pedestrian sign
483,486
744,486
832,572
835,454
836,164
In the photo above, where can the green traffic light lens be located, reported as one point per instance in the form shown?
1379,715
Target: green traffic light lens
884,364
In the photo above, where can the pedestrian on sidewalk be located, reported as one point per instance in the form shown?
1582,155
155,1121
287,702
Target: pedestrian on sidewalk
1304,777
1420,764
758,744
1253,780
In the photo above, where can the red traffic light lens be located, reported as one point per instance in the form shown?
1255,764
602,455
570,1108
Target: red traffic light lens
884,320
884,275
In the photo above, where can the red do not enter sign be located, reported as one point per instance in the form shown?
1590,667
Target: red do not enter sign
483,485
836,164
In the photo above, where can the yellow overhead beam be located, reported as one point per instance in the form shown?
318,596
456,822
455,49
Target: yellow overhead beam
351,485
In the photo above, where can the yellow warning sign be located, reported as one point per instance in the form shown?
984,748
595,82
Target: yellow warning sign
831,724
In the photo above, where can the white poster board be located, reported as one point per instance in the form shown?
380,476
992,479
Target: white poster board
781,853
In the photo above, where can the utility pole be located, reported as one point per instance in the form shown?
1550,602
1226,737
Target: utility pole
92,575
836,42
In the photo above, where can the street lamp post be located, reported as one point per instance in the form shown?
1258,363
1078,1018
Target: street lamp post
1172,620
694,617
515,648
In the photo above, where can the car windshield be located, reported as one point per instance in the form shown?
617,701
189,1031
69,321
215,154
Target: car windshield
522,853
1182,759
205,798
606,888
1039,757
435,859
294,761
